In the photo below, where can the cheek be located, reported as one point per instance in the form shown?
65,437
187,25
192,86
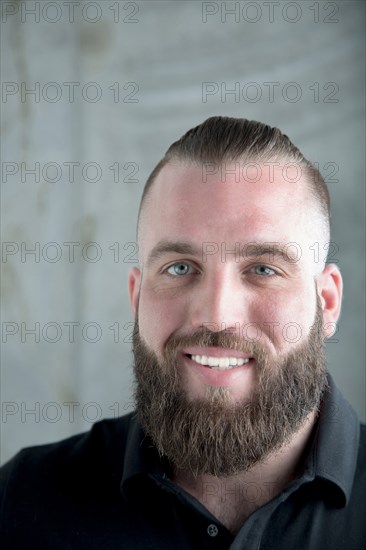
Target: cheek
160,315
286,318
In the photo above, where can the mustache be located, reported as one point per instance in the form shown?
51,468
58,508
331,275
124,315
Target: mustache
207,338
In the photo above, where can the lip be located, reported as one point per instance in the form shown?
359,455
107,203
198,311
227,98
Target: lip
216,352
212,377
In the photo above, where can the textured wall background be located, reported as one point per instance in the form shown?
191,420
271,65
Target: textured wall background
114,83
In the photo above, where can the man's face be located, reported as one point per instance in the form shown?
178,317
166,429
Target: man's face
227,305
222,283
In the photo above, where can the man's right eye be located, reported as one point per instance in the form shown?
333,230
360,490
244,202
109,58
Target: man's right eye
178,269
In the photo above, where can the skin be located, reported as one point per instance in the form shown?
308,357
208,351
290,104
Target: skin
240,292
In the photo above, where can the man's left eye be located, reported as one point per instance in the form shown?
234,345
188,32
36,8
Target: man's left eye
179,269
264,271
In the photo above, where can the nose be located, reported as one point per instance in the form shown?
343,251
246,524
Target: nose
219,303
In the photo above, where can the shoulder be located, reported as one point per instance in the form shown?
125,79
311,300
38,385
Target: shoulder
67,494
63,462
357,502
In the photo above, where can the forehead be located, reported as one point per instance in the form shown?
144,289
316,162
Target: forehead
229,203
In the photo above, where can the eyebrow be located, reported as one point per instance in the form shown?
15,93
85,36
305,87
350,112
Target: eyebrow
272,250
248,250
176,247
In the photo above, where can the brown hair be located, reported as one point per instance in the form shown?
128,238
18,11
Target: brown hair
225,139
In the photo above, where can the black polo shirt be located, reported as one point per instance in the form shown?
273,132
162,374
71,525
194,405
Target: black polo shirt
108,489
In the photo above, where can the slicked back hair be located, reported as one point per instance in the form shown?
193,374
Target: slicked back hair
220,140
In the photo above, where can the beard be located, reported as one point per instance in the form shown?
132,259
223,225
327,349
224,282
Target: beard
212,434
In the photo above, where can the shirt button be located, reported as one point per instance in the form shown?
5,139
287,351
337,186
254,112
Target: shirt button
212,530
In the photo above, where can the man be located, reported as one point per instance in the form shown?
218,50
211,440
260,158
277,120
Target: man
240,438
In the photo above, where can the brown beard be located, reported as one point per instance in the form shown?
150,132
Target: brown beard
213,435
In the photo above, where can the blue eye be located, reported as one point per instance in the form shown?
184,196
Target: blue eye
179,269
264,271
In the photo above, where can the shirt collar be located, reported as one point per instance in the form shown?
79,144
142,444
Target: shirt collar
142,460
334,453
332,458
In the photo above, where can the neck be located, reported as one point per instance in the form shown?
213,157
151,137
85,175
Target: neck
232,499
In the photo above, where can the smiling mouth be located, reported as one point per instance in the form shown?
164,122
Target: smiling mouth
219,363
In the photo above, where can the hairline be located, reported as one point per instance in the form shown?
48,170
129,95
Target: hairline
260,158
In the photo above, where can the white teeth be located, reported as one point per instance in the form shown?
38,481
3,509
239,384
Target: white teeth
219,363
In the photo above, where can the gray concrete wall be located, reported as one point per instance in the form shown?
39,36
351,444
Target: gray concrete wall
115,83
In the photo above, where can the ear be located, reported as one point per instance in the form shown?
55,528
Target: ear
330,290
134,279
